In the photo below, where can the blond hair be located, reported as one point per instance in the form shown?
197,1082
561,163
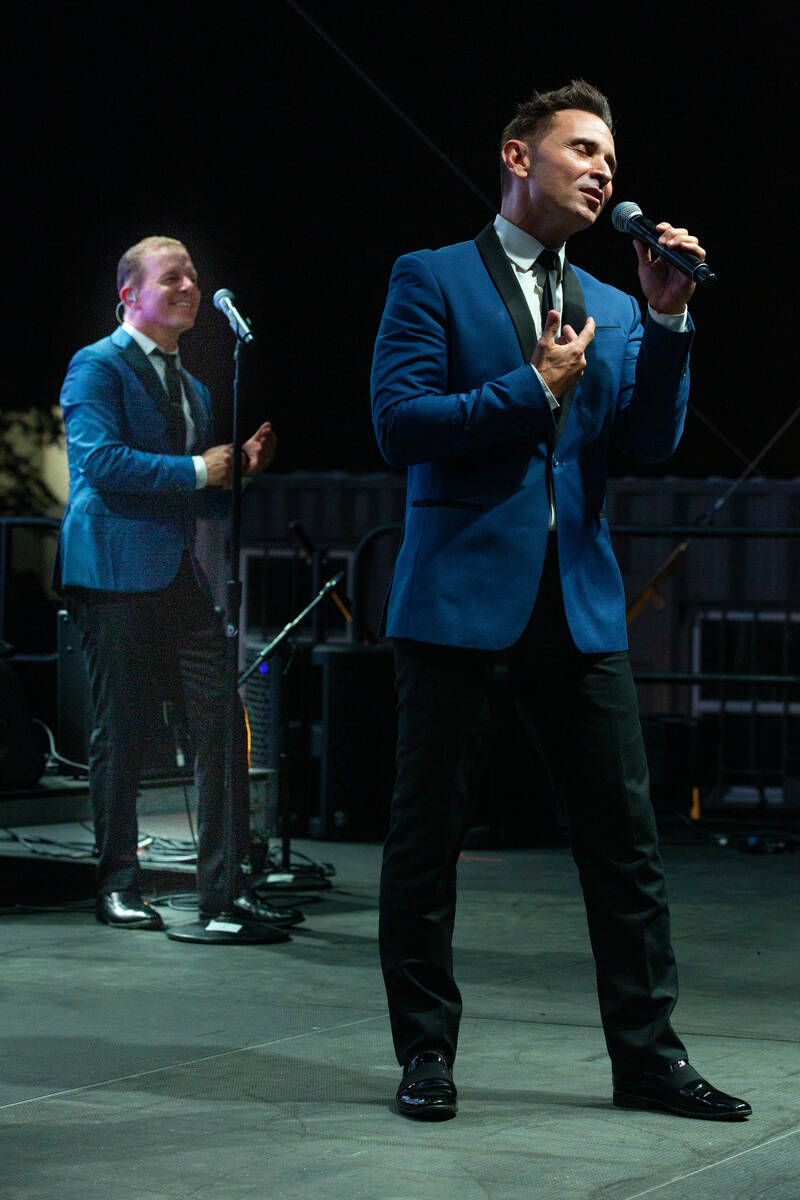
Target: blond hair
130,266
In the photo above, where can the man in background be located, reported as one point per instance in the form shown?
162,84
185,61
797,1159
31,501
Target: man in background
143,466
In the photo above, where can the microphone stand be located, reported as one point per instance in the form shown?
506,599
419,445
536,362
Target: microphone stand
312,881
228,929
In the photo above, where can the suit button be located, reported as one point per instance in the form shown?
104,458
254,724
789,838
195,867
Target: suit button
556,461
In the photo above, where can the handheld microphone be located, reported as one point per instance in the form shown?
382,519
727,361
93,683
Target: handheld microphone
224,301
628,218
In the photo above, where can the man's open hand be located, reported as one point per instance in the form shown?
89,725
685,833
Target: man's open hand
562,360
259,450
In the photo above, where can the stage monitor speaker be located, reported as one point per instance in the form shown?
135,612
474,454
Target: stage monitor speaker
682,755
74,724
168,753
277,697
22,754
353,738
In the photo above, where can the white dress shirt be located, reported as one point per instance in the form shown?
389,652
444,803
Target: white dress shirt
148,346
522,250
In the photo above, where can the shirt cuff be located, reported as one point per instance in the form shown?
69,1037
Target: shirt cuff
551,400
677,322
200,471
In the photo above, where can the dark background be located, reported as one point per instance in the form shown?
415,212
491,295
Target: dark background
247,136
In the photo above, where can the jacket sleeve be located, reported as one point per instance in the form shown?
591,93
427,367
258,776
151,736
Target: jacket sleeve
651,408
417,417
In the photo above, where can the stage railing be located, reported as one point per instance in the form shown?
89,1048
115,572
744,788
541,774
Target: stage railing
754,713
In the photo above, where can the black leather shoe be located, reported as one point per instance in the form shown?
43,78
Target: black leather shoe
681,1091
427,1091
248,907
127,910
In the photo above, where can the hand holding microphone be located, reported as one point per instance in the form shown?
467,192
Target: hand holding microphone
628,218
669,275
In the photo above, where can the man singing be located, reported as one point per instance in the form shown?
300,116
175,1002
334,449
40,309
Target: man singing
142,467
501,376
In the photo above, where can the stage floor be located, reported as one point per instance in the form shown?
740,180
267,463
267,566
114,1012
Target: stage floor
139,1068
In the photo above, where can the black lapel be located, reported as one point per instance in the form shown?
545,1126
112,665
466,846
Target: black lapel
574,314
502,274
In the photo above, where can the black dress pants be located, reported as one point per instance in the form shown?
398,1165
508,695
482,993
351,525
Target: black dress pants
582,711
136,645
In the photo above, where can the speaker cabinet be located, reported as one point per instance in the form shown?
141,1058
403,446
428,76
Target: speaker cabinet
21,750
682,755
353,739
277,698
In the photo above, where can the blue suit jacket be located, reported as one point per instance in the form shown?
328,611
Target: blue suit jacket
132,501
456,401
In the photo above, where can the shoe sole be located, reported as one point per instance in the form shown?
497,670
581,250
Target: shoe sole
279,924
626,1100
131,925
432,1112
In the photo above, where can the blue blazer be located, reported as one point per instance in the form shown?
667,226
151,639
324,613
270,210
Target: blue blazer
456,401
132,501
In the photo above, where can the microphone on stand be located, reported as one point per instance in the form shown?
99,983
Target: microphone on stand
224,301
308,550
628,218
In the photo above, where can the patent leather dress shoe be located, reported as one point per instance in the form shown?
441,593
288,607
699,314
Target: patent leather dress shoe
127,910
427,1091
681,1091
248,907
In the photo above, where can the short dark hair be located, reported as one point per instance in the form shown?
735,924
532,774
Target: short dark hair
535,116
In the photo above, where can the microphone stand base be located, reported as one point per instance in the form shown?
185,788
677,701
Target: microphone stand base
269,889
228,931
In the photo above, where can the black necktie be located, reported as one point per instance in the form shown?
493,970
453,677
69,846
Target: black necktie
176,421
549,261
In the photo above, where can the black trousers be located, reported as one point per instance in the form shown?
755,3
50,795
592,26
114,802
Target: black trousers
137,645
583,712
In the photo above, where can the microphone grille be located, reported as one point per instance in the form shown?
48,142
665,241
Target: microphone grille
623,213
222,294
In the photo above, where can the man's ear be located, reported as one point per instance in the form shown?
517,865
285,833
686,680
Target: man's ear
517,157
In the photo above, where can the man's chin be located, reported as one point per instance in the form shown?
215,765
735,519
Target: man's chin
587,215
582,219
592,211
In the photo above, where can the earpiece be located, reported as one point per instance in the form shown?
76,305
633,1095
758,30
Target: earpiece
132,298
